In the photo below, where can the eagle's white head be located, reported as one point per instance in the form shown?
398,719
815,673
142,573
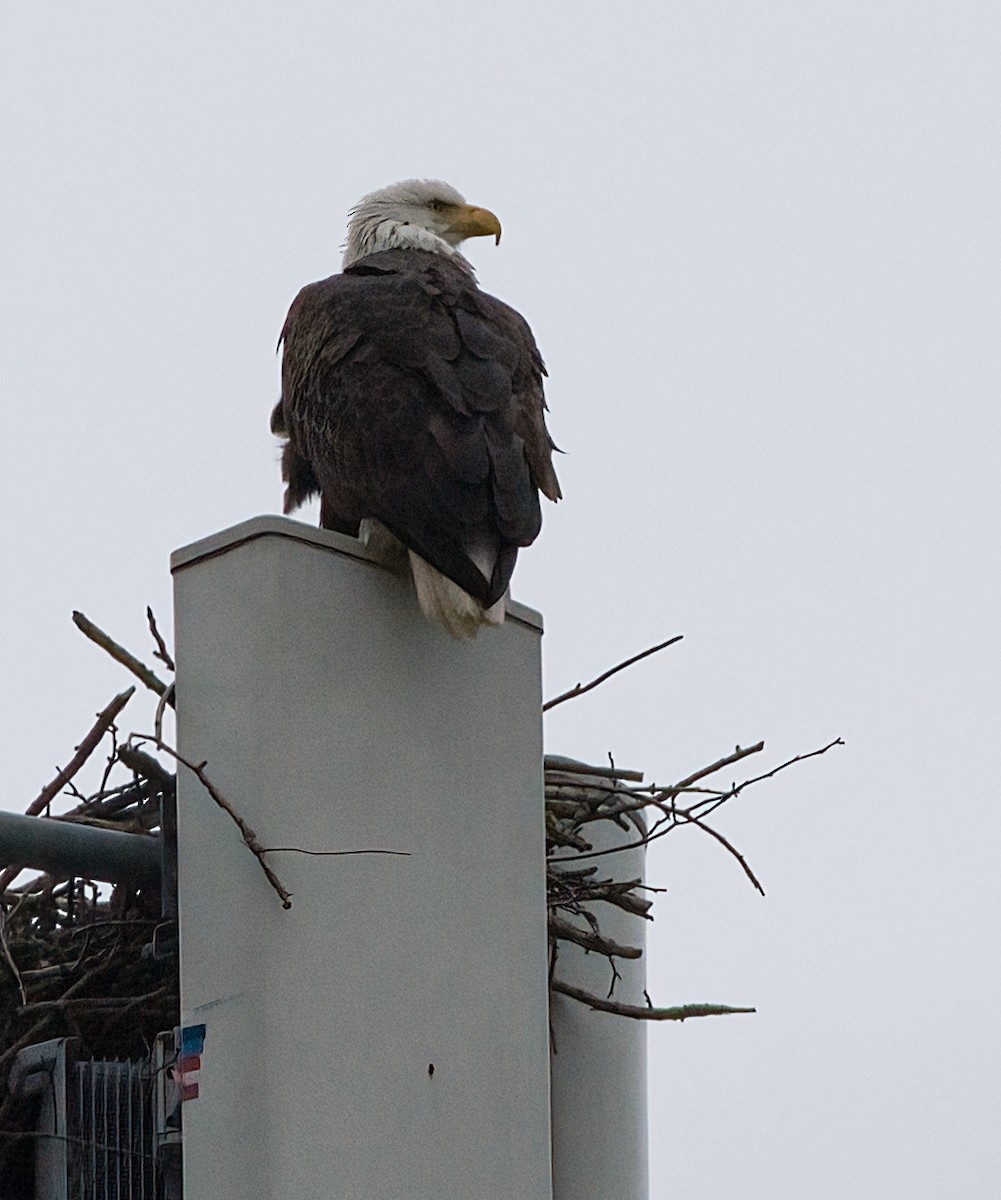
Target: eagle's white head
417,214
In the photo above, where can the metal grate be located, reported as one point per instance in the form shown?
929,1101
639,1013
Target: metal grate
111,1131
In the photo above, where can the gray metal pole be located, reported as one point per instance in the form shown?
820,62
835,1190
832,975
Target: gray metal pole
68,848
599,1091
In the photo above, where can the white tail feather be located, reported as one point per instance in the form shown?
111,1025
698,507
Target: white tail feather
446,603
440,599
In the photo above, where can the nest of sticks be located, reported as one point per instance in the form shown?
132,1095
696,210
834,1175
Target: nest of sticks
83,960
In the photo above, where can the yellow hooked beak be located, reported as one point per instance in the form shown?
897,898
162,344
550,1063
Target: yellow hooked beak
466,221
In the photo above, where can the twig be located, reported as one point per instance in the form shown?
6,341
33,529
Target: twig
5,946
561,833
566,892
119,653
788,763
249,837
580,689
616,978
97,1003
570,766
134,923
715,799
681,1013
83,752
165,699
691,819
161,652
109,765
590,941
31,1034
739,753
635,905
145,766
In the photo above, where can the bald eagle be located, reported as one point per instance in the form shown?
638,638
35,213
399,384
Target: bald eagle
412,404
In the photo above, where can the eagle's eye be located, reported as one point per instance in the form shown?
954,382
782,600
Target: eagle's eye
436,205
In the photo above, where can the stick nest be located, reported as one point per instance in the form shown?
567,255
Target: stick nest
84,960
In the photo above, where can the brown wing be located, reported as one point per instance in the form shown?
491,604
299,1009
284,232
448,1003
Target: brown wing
410,396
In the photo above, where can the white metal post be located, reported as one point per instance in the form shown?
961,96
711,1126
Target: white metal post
386,1037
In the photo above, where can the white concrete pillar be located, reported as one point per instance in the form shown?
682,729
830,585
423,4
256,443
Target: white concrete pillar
387,1037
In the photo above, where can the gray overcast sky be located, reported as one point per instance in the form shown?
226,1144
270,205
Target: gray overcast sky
758,244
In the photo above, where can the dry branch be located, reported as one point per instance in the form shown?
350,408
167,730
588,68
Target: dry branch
249,837
104,722
567,891
591,941
726,761
662,797
145,765
161,708
680,1013
119,653
690,819
576,795
9,959
554,764
161,652
113,1004
581,688
83,752
789,762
